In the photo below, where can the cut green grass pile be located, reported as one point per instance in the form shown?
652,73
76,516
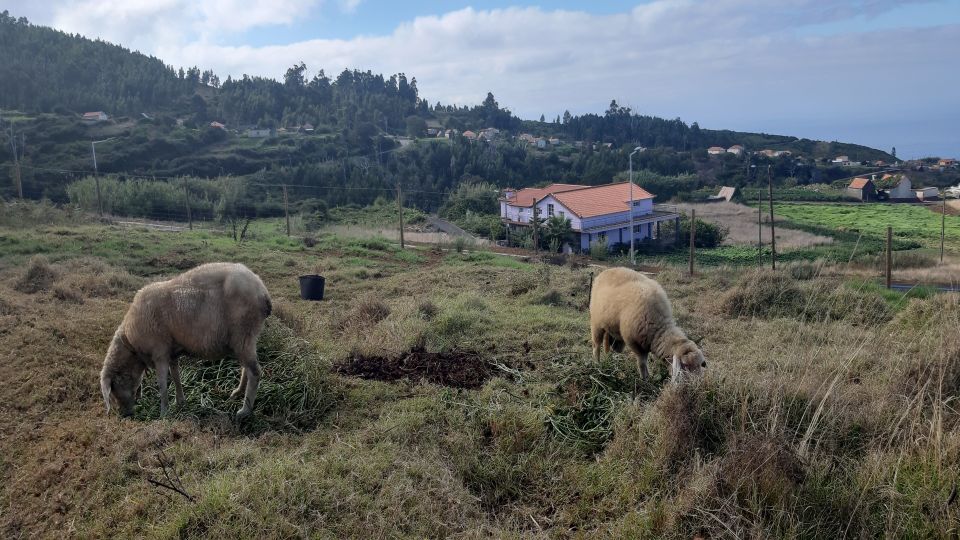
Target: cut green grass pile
295,392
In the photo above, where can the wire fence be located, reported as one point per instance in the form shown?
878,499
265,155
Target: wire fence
294,203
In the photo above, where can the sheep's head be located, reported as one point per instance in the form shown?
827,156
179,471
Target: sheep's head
688,358
121,375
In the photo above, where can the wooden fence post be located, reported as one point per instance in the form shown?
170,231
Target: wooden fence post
400,211
286,208
693,233
889,254
760,228
943,224
189,212
773,236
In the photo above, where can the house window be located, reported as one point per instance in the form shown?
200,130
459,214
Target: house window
550,210
636,229
562,214
601,237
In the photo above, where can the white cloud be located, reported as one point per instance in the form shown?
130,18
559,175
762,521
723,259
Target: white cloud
349,6
739,64
153,26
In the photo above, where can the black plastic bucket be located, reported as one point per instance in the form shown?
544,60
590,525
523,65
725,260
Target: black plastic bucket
311,287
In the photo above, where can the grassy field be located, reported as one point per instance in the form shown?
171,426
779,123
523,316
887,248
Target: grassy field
436,393
909,221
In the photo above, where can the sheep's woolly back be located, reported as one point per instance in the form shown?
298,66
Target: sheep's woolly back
632,307
203,311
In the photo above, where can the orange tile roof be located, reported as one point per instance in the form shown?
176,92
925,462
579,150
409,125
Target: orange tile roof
526,196
601,200
859,183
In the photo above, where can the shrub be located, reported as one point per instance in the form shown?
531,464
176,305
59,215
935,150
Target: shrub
708,235
599,250
38,276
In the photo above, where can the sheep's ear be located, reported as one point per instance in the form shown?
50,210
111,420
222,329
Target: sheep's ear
676,368
105,389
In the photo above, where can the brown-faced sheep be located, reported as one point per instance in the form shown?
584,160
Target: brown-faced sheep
633,310
208,311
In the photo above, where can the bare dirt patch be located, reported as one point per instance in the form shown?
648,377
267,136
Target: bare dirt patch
457,369
742,222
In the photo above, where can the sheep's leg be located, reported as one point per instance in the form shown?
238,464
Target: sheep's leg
243,384
606,343
175,375
251,369
162,365
597,336
641,360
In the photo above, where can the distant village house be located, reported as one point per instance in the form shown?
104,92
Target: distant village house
94,117
596,213
260,133
927,193
716,150
862,189
735,150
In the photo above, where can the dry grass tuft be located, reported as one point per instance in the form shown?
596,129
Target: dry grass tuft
287,312
67,294
39,276
427,310
367,312
763,293
95,278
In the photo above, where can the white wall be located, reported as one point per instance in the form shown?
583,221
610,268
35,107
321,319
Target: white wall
903,190
558,207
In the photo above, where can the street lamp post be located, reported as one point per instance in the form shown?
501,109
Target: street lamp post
96,174
633,259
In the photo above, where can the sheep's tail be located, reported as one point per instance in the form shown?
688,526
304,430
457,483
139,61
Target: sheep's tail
266,307
105,389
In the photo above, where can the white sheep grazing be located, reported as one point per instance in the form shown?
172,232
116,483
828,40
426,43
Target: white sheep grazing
633,310
208,311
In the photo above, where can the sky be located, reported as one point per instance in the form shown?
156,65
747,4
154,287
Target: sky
883,73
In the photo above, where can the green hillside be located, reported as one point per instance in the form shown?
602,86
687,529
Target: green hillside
327,133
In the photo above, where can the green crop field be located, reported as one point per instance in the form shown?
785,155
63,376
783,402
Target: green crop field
909,221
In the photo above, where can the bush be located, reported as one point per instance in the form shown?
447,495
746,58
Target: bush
708,235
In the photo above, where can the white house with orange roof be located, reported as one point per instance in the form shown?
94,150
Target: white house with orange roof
596,213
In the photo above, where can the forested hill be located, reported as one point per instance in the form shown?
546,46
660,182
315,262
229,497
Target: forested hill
162,118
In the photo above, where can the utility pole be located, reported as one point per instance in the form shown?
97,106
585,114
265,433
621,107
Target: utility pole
536,227
286,209
96,178
773,236
633,258
400,211
16,161
96,174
